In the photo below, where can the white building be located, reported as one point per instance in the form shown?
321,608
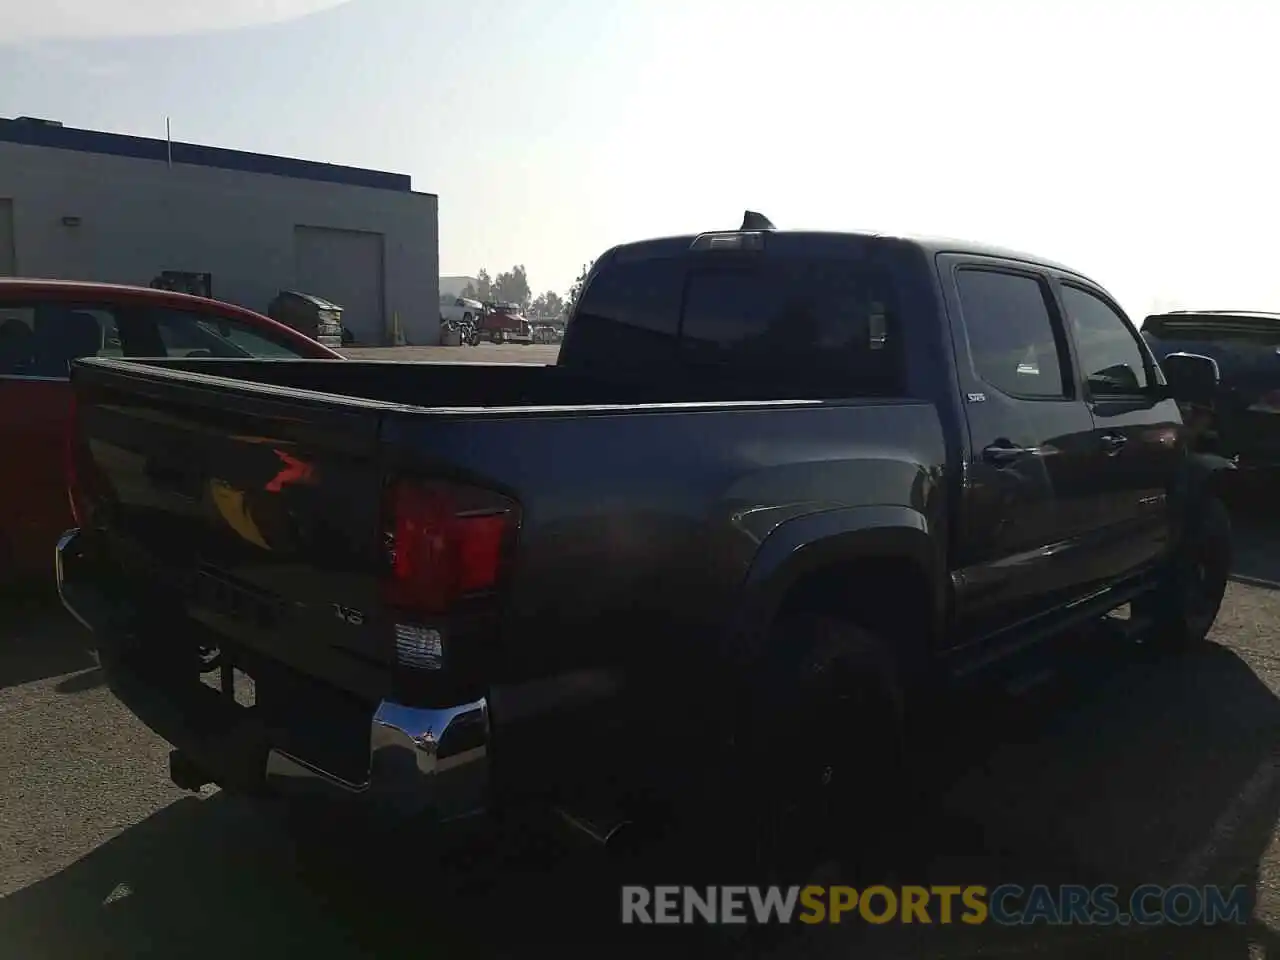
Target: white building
452,287
85,205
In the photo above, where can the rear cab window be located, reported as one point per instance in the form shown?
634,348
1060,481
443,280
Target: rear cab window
809,326
817,323
628,318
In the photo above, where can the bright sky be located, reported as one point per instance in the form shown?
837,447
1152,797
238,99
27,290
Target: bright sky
1127,138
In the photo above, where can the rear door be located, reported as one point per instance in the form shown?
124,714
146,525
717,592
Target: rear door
1026,514
38,339
1138,434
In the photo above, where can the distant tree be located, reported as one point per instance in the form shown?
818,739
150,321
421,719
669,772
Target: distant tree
469,292
547,304
513,286
576,290
484,285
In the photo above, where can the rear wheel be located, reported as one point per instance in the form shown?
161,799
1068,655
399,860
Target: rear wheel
1185,605
822,784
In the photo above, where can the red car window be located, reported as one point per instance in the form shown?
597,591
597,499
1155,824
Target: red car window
186,333
41,340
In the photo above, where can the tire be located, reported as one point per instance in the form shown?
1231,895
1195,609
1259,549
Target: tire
823,779
1185,604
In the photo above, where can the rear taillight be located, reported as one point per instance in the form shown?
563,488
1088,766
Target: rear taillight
446,544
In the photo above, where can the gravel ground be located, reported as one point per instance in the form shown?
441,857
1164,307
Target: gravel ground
1119,770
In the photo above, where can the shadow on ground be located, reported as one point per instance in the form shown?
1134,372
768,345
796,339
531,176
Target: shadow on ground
1115,772
38,640
1254,501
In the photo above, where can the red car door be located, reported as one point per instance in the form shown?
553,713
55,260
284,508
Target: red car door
37,343
43,327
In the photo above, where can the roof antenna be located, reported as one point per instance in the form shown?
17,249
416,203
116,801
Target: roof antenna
756,221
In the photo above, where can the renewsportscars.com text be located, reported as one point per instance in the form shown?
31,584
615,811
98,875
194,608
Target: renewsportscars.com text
1006,905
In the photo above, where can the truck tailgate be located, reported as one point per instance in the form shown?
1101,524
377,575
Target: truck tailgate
255,510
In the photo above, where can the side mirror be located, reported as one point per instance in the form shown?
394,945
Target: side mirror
1191,378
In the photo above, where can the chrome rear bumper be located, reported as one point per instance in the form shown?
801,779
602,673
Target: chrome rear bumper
433,761
421,761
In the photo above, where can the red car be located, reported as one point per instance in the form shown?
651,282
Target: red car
44,325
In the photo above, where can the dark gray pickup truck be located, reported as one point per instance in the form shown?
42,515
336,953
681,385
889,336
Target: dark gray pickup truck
779,490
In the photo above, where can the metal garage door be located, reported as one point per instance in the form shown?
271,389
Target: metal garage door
8,254
345,267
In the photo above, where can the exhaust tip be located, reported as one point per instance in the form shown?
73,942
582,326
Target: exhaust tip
604,831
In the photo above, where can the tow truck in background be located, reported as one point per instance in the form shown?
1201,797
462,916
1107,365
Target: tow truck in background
505,323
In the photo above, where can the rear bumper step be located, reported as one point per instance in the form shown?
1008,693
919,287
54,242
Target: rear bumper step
421,761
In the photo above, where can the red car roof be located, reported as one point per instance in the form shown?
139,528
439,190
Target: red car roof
124,293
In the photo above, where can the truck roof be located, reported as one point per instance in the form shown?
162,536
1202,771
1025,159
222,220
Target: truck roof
928,245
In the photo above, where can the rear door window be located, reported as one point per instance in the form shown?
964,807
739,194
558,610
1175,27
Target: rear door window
1013,341
40,340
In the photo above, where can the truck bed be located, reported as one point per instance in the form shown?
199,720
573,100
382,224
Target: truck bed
479,385
255,507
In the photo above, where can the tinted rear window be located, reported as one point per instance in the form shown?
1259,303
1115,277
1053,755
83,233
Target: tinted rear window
819,327
629,316
829,321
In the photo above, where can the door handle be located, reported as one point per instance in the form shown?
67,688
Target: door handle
1112,442
1002,454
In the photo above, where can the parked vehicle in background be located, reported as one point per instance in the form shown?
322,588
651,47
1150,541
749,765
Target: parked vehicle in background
778,492
44,324
547,333
504,323
1243,420
313,316
462,310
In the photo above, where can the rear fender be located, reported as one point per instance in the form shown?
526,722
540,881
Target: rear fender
811,543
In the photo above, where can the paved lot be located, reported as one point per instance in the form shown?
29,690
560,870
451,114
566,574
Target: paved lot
1121,770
